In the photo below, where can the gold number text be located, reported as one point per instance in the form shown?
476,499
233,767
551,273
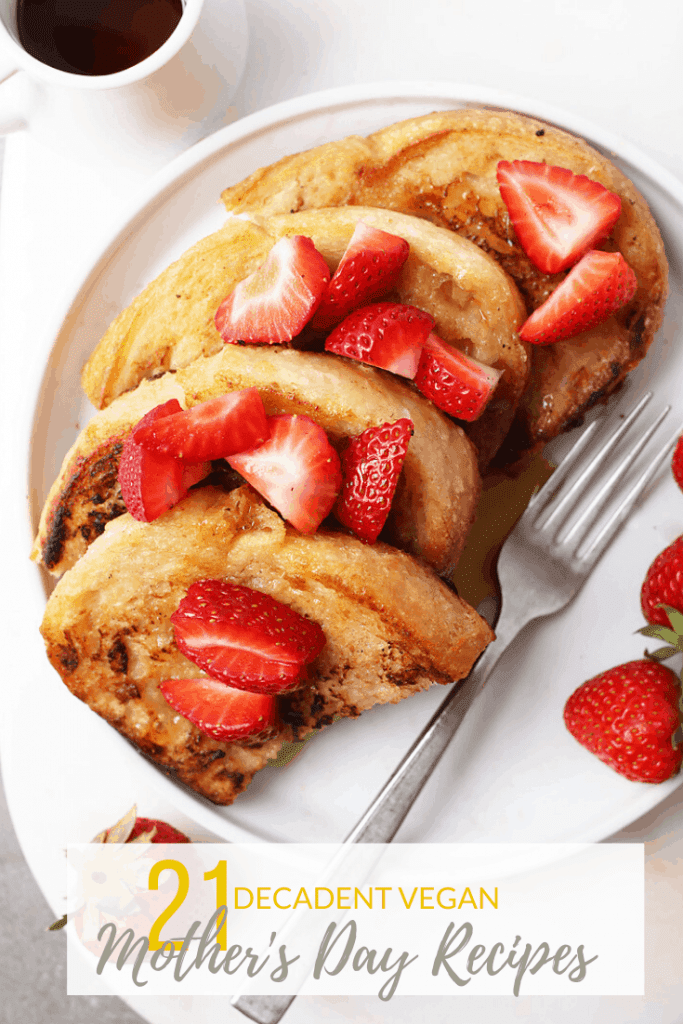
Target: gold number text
221,876
183,888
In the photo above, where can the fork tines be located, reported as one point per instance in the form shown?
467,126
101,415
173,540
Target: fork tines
548,511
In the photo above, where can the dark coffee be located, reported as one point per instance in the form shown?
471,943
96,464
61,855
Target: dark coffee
95,37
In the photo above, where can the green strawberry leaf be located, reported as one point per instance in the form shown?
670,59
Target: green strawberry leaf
662,653
56,925
660,633
670,636
675,617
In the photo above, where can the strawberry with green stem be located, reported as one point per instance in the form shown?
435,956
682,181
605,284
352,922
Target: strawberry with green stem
663,584
630,716
671,635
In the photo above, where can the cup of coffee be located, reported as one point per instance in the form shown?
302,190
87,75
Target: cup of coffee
113,80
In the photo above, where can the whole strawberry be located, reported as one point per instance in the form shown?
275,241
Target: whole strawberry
663,584
677,463
627,717
132,829
151,830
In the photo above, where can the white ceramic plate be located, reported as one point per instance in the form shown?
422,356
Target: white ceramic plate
513,774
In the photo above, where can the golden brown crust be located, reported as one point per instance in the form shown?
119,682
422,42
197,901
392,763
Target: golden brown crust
439,486
475,305
171,322
392,627
443,167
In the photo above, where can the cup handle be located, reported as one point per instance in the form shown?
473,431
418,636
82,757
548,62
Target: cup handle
18,97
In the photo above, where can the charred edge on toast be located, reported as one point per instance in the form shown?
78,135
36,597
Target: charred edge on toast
94,482
90,500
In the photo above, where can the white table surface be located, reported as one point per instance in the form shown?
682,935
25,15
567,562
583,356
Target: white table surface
616,63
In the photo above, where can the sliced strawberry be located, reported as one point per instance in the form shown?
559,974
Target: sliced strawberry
371,466
192,474
211,430
245,638
235,653
598,285
245,670
557,215
150,483
369,269
297,470
219,710
282,633
456,383
386,334
277,300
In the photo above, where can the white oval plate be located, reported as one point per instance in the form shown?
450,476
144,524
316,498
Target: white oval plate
514,774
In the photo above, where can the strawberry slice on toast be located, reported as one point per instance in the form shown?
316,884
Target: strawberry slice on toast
151,483
369,269
385,334
245,638
455,382
211,430
371,466
599,285
221,711
392,627
277,300
557,215
297,470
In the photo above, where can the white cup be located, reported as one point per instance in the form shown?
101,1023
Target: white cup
143,115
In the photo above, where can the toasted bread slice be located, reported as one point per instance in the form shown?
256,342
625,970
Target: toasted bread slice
439,485
475,305
443,167
392,627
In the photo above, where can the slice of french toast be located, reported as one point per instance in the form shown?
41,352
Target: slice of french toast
392,627
475,305
442,167
438,489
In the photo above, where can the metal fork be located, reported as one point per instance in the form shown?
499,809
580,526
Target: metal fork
542,566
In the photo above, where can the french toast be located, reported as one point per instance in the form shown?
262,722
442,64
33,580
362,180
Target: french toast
474,304
392,627
438,489
442,167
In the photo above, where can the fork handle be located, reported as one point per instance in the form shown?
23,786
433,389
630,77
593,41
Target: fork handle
385,815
